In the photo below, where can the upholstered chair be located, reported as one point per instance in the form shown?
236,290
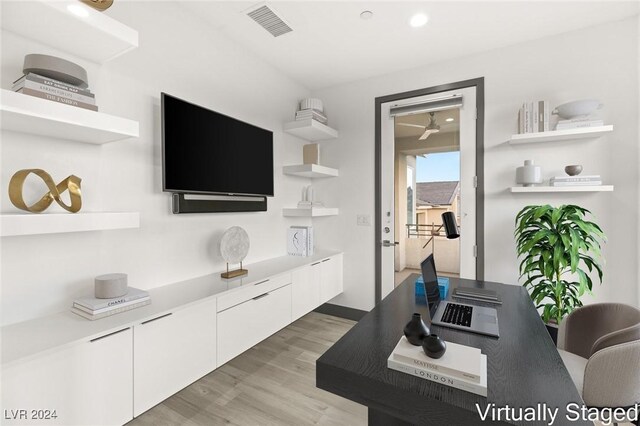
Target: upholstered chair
600,346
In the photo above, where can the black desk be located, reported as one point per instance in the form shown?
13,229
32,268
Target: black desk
523,365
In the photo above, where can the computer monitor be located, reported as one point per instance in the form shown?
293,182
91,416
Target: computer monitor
431,289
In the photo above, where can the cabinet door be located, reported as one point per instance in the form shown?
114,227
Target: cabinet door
242,326
89,383
305,290
331,278
172,351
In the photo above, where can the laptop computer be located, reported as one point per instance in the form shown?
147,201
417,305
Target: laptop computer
476,319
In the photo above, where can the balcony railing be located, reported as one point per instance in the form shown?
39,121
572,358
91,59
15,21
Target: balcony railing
421,230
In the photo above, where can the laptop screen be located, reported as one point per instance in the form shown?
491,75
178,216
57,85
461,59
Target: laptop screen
431,289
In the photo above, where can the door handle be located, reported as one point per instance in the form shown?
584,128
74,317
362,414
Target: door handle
387,243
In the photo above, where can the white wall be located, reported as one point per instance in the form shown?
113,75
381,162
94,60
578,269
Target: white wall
181,56
599,62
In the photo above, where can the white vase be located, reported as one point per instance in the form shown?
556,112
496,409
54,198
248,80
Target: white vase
529,174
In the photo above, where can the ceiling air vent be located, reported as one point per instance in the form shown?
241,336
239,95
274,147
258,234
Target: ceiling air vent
268,20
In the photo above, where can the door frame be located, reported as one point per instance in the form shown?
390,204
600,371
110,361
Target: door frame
478,83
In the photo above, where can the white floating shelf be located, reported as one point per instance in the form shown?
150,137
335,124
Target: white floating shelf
310,130
561,135
28,114
312,212
55,223
69,26
594,188
310,171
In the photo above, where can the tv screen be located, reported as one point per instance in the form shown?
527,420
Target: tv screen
205,152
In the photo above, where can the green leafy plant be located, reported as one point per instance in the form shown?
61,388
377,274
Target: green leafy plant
555,244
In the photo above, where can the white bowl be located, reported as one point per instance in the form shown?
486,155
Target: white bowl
577,108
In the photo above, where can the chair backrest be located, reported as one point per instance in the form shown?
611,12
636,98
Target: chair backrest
627,319
594,327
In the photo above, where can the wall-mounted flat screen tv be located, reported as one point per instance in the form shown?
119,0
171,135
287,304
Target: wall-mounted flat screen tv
205,152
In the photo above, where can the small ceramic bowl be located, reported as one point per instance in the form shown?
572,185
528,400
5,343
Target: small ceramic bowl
573,170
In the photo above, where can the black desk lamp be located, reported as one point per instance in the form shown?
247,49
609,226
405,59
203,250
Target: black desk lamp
450,225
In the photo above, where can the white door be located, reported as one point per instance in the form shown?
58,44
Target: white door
388,241
467,223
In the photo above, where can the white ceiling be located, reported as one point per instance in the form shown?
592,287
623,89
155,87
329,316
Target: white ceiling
331,45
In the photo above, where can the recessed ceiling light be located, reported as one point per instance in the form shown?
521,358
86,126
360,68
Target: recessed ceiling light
367,14
450,119
418,20
78,10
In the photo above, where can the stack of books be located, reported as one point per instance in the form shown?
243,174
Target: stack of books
93,308
461,367
300,241
575,180
534,117
305,114
53,90
576,123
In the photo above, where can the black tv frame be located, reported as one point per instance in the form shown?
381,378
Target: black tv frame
180,205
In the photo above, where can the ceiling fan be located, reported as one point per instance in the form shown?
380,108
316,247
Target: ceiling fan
431,127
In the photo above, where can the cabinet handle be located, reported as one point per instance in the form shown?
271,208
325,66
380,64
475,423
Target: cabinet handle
107,335
261,282
261,296
326,260
317,263
156,318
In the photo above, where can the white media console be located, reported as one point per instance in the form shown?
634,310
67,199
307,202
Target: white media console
108,371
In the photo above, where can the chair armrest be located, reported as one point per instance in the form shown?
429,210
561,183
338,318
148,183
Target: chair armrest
628,334
611,377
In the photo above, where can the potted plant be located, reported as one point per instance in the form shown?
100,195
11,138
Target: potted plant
556,244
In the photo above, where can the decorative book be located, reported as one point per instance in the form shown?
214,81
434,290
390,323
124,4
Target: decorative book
461,367
114,311
91,303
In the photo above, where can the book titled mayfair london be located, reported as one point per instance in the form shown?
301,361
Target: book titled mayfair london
461,367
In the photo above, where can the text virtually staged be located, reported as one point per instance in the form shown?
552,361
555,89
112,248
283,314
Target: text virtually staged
546,414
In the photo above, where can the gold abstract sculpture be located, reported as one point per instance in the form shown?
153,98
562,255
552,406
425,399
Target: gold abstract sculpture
100,5
71,183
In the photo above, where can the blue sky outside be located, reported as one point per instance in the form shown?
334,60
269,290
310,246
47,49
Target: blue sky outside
438,167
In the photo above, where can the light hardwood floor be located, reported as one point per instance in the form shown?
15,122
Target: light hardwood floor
272,383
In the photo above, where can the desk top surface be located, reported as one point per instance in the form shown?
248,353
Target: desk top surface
524,367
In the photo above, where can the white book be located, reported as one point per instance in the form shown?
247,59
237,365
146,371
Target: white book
579,125
589,183
120,309
585,178
521,120
110,308
465,385
92,303
535,114
297,242
45,88
578,120
458,361
545,116
527,117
